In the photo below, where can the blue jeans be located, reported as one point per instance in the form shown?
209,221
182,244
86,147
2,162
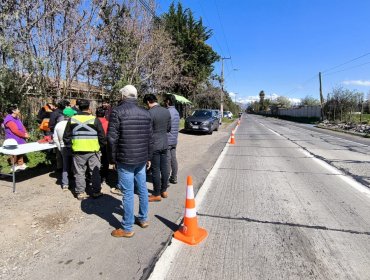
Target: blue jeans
130,177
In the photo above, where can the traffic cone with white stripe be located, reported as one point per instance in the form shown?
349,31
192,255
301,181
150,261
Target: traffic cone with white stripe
232,138
189,231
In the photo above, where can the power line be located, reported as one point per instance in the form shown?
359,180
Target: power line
228,72
304,83
223,33
224,36
361,56
217,42
359,65
148,8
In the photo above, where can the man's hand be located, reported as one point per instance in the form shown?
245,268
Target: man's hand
148,164
26,135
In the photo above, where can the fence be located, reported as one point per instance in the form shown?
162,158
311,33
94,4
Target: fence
302,112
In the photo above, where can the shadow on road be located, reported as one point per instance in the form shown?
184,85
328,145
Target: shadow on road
104,207
168,223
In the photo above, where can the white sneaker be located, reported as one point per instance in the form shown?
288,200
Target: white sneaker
16,168
22,167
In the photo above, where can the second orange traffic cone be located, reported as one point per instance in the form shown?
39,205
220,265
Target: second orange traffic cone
189,232
232,138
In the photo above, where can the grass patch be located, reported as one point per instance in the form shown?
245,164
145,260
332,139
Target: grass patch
227,120
182,124
31,159
365,118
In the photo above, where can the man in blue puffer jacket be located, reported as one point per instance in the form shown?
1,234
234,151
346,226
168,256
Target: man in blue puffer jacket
170,101
130,144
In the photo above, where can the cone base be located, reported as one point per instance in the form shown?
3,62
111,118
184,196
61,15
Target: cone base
191,240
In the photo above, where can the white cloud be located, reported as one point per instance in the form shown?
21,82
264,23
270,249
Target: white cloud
232,95
357,83
250,99
295,101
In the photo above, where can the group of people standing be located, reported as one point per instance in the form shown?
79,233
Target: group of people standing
132,138
138,140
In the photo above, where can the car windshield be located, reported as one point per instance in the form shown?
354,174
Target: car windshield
202,113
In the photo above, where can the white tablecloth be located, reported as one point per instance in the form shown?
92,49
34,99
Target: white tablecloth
27,148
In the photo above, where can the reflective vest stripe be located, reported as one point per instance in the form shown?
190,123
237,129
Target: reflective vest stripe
84,134
84,137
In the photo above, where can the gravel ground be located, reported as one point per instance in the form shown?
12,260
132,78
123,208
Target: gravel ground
40,215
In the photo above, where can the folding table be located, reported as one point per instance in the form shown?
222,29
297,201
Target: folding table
24,149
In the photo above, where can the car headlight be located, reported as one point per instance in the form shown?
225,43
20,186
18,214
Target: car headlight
205,123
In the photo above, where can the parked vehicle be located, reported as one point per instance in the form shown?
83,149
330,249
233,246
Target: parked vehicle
218,114
228,114
202,120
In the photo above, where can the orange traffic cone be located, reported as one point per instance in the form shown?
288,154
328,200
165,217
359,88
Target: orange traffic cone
189,231
232,138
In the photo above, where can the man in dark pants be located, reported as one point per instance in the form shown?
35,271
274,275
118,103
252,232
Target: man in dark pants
161,120
55,117
84,134
170,102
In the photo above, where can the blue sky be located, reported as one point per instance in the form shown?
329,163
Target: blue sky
280,46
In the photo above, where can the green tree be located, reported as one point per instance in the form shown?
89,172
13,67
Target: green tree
262,98
134,50
310,101
341,103
283,102
190,36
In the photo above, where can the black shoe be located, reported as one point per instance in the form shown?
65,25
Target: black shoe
96,194
173,181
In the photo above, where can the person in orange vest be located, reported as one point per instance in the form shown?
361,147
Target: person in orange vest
43,117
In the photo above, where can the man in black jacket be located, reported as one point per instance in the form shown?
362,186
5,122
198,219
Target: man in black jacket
130,148
161,125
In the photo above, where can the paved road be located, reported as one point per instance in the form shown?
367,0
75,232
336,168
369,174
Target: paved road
87,251
276,207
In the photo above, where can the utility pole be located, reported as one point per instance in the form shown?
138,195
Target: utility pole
321,98
222,85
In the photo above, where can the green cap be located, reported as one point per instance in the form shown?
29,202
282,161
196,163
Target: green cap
69,112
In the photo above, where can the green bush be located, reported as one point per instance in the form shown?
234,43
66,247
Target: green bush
32,160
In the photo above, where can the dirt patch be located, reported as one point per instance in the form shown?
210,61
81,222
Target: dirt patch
52,221
40,213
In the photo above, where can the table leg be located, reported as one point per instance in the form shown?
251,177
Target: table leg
13,170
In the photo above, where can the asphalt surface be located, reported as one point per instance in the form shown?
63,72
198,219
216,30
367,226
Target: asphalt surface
284,202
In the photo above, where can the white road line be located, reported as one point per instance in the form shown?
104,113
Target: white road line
330,136
162,266
348,179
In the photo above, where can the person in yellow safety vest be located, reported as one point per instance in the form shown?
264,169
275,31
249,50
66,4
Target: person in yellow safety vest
43,117
84,135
